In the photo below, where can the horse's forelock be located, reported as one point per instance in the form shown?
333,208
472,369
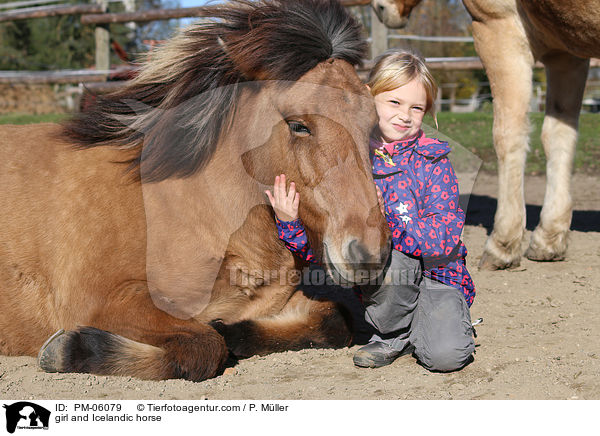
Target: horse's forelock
176,108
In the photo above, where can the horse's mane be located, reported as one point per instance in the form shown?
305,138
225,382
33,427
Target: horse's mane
181,100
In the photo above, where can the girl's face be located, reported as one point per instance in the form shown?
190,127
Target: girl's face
401,111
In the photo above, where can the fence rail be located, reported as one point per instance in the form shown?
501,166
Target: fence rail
59,76
49,11
433,38
26,3
140,17
165,14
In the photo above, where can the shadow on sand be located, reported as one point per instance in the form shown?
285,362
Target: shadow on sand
481,209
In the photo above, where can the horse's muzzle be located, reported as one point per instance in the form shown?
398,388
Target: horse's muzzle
389,15
356,265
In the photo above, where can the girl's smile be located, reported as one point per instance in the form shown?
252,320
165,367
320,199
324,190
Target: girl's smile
400,128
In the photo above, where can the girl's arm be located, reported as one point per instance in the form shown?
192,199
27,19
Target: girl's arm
289,227
436,233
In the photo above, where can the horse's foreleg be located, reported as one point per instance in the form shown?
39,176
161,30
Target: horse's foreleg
137,339
504,50
566,76
303,323
191,355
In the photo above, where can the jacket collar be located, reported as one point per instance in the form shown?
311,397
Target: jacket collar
427,147
395,147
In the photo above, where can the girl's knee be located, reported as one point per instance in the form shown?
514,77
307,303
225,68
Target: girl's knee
446,359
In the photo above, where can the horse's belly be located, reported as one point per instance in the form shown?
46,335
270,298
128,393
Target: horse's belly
573,26
70,232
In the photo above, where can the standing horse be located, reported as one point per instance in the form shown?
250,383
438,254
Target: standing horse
510,35
141,226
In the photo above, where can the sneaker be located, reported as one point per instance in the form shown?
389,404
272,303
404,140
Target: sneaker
375,355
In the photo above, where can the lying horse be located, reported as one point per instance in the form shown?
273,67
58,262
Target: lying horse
509,36
140,228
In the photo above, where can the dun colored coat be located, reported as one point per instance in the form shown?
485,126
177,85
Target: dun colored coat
140,229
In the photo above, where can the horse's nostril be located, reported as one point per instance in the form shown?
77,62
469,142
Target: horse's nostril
381,8
357,253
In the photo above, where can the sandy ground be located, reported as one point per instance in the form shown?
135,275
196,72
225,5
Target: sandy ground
539,339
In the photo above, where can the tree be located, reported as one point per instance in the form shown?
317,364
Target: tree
443,18
64,43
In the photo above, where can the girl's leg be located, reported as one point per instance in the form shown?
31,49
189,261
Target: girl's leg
390,308
441,332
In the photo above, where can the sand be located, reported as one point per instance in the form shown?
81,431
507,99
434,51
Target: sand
539,338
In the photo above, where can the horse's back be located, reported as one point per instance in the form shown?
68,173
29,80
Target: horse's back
63,209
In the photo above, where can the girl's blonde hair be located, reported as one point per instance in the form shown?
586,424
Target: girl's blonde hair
396,68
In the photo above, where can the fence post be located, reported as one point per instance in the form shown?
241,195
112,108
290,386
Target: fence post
379,35
102,42
453,87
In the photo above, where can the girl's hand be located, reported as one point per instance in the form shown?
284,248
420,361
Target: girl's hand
285,204
380,200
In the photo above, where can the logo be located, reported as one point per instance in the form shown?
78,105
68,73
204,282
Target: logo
25,415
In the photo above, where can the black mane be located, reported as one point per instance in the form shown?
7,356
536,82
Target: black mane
174,111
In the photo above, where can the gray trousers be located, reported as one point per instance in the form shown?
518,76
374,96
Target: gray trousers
413,313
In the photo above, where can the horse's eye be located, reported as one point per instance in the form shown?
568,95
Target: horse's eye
298,129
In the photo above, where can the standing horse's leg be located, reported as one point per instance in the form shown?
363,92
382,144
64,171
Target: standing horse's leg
303,323
137,339
504,50
566,76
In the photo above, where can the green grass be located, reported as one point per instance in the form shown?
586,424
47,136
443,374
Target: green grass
472,131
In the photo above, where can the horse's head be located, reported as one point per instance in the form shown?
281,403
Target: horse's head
394,13
316,131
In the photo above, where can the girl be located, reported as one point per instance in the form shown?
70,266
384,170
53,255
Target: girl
422,304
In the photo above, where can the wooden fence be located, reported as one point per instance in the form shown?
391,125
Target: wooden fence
96,14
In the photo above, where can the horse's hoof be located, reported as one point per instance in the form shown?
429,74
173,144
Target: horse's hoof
547,246
50,355
489,262
540,255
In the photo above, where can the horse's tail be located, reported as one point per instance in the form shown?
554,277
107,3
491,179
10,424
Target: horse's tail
193,356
